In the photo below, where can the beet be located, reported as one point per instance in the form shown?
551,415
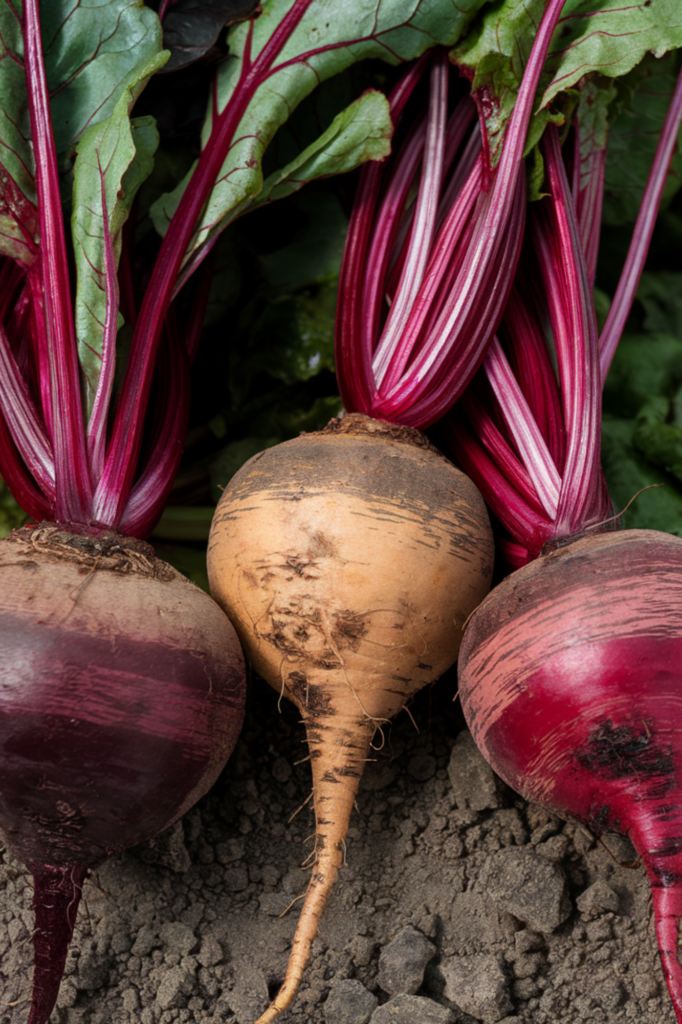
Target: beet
121,698
571,682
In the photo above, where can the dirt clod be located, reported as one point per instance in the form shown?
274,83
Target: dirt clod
412,1010
349,1002
403,961
528,887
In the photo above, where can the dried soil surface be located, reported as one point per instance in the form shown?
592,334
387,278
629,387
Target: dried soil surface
459,903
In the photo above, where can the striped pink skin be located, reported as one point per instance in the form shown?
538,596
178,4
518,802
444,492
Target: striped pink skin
571,682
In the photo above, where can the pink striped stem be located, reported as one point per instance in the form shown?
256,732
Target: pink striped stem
533,369
588,195
62,384
115,484
524,523
421,237
575,333
641,238
523,429
148,496
23,421
498,448
387,233
19,479
417,374
353,344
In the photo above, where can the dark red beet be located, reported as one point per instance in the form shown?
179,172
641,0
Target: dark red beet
571,682
121,698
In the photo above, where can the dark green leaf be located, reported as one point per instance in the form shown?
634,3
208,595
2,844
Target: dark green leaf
226,279
644,365
329,38
661,296
644,96
90,49
601,36
293,339
628,471
359,133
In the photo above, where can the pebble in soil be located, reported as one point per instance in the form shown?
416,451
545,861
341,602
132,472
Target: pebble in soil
459,903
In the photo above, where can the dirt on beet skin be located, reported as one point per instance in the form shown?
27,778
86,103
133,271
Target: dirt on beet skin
459,902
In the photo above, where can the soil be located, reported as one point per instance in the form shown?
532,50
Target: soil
459,902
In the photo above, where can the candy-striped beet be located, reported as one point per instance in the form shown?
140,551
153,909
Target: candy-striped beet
571,682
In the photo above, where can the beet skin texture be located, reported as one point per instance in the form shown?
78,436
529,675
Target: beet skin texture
121,698
571,682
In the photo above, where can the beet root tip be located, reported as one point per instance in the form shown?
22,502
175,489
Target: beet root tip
667,899
56,895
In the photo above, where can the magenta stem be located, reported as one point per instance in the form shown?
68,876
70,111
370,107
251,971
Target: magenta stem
25,425
73,484
641,238
575,334
121,462
667,902
386,364
523,428
418,373
353,341
588,196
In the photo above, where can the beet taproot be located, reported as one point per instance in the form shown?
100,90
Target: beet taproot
348,561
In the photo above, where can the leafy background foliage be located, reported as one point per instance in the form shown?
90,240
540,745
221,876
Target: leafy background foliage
265,365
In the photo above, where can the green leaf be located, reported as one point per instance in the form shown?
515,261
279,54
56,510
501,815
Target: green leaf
642,431
90,48
658,440
535,175
610,37
294,337
661,296
644,96
11,515
226,279
627,471
644,365
328,38
360,132
17,189
602,36
120,154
